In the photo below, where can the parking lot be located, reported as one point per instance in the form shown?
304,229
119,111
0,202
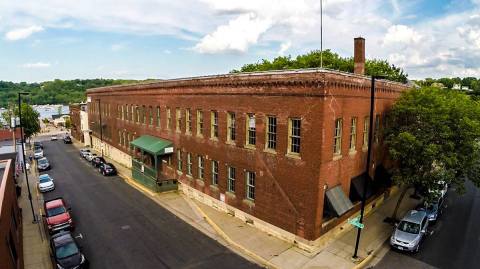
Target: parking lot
121,228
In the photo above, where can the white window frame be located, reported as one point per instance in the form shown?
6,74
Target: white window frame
337,137
231,178
250,185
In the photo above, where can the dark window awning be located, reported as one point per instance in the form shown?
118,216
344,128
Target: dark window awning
338,200
359,185
153,145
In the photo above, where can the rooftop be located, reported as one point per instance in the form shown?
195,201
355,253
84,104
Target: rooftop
242,77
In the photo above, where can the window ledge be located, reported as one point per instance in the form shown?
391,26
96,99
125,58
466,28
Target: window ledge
271,151
230,195
200,182
364,149
293,155
251,147
189,176
337,157
231,143
179,172
352,152
248,202
214,188
214,139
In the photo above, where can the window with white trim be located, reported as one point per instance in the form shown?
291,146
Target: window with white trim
231,130
271,133
250,191
251,130
337,137
353,133
169,119
158,116
214,124
188,121
189,164
231,179
294,138
178,116
199,122
179,160
201,167
366,124
214,172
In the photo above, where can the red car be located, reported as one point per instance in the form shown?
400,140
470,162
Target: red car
57,215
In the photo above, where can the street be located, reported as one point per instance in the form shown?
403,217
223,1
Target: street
455,242
121,228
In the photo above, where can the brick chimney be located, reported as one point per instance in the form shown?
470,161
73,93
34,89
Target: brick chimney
359,56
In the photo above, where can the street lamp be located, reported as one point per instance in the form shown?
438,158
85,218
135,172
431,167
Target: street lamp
369,151
101,126
23,152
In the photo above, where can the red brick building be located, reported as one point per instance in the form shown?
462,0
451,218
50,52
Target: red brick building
280,148
11,244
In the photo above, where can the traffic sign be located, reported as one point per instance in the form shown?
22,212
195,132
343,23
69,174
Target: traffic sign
356,222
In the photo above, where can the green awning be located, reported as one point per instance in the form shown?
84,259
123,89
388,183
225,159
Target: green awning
153,145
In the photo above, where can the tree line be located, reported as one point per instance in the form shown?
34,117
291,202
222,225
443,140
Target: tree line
53,92
330,60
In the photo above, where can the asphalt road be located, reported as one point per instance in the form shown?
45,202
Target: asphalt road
455,242
122,228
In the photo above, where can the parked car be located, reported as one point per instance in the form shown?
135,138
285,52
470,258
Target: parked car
96,161
38,153
410,232
84,151
89,156
434,210
67,140
66,252
45,183
43,164
107,169
53,138
57,215
38,145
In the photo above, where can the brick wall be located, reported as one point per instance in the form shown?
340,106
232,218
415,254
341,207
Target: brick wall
289,191
10,220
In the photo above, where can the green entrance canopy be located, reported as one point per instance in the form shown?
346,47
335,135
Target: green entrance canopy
153,145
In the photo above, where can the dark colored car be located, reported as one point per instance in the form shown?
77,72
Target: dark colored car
107,169
37,145
43,164
96,161
66,252
67,140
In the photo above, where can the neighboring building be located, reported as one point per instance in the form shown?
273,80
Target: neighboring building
284,150
79,118
11,234
7,134
59,120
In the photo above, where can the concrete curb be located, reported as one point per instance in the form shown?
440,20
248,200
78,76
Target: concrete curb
365,262
258,258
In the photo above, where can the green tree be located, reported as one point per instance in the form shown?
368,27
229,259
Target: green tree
433,136
30,120
68,123
330,60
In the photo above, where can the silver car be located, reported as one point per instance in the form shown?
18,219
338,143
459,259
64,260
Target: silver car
410,232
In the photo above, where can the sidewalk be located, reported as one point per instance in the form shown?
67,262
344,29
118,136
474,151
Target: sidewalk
272,252
36,251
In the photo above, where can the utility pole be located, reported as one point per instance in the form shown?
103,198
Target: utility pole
23,153
369,153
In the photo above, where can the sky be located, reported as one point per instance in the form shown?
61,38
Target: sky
43,40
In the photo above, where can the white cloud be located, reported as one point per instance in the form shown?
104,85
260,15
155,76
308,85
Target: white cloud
36,65
166,51
236,36
22,33
398,34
